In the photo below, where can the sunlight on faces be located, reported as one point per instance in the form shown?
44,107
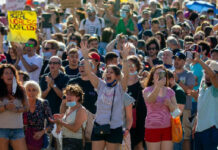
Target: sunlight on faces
132,66
7,76
70,97
32,92
73,59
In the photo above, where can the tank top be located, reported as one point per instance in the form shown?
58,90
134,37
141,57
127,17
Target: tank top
70,120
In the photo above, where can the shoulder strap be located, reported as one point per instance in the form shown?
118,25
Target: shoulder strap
112,103
100,20
84,22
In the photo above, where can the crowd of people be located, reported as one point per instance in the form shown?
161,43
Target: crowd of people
111,75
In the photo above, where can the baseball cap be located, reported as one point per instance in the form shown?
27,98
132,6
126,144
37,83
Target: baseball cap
180,55
90,9
125,8
95,56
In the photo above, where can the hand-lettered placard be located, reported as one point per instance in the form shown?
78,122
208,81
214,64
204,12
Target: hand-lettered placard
22,25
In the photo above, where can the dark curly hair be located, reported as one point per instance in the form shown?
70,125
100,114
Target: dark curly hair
20,92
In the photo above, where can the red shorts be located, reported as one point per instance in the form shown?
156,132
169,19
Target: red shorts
157,135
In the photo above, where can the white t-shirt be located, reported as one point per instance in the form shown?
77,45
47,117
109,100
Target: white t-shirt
92,27
36,60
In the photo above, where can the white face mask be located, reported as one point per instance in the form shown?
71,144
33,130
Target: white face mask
133,73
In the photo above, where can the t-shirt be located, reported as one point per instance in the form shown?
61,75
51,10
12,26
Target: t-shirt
197,70
92,27
54,100
158,114
121,27
180,94
72,73
188,79
127,100
90,96
34,60
207,108
106,96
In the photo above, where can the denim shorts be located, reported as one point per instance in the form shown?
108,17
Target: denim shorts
12,134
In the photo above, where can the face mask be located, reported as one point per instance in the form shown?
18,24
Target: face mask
47,55
72,43
170,48
162,26
14,86
133,73
71,104
123,14
111,84
211,17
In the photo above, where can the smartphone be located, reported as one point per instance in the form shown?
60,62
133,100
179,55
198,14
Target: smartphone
162,74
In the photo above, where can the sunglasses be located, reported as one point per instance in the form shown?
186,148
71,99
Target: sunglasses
54,63
29,45
47,48
152,48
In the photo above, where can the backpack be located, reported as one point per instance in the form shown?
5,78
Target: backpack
87,131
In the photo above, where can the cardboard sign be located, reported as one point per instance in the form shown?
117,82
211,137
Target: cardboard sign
22,26
15,5
70,3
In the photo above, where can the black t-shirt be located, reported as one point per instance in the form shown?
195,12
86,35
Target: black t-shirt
135,91
90,96
72,73
54,101
180,94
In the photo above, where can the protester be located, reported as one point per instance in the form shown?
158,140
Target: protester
31,62
110,93
35,118
73,122
167,33
13,104
53,83
160,101
139,109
